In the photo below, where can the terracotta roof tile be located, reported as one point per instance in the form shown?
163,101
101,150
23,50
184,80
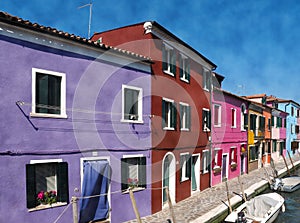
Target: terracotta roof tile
14,20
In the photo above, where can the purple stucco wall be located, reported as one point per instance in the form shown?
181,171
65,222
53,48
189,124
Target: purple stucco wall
93,127
224,136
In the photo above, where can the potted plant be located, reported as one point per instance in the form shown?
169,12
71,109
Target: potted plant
47,197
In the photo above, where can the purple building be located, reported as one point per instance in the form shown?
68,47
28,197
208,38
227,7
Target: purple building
72,109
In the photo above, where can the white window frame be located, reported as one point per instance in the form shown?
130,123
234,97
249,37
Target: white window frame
184,168
205,79
184,60
206,128
169,116
233,114
140,104
216,158
233,149
219,124
137,166
205,160
63,113
243,113
168,50
183,119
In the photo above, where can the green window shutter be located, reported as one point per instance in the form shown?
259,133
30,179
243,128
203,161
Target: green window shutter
62,182
181,165
272,121
30,186
164,58
180,115
189,117
188,70
142,172
124,174
173,115
203,119
181,68
188,166
163,114
209,120
173,62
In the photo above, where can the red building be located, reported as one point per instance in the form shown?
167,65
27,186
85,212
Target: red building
180,114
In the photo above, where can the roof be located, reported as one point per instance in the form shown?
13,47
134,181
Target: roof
16,21
256,96
160,27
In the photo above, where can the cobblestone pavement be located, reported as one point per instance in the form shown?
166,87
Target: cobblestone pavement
204,201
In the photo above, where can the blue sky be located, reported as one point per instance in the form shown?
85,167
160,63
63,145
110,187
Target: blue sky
254,43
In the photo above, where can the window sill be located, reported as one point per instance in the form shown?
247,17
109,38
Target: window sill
184,130
132,121
184,179
169,128
169,73
44,115
47,206
136,189
217,126
185,80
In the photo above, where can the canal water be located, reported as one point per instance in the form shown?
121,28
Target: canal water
292,206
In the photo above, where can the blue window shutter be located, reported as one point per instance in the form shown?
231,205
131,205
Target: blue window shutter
30,186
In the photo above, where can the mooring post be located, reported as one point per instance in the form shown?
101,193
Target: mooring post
75,209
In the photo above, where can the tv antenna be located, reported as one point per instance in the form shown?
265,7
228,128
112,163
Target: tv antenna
90,17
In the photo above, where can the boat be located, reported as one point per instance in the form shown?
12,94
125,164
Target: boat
286,184
262,208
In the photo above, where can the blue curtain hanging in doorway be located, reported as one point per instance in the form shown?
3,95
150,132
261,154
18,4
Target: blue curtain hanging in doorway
95,182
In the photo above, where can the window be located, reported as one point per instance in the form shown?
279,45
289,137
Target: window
217,115
292,129
244,118
233,118
279,122
206,120
169,60
185,167
206,80
184,68
169,114
282,147
233,155
262,121
47,176
132,104
48,93
274,145
253,153
133,173
253,122
217,158
205,161
185,117
269,124
297,129
292,111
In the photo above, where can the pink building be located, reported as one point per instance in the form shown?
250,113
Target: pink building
229,136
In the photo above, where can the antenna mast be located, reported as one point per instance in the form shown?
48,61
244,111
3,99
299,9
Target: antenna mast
90,16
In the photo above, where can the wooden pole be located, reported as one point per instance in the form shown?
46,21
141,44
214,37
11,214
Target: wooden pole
137,214
242,189
75,209
228,198
293,167
170,205
289,173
